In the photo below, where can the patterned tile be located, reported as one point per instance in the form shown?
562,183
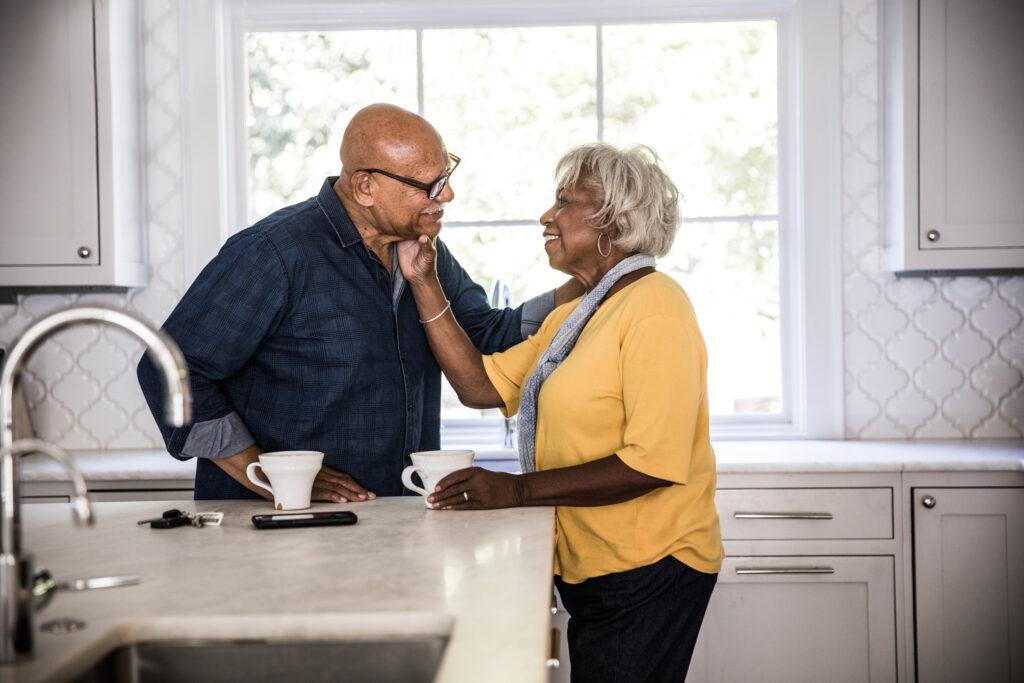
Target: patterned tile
936,357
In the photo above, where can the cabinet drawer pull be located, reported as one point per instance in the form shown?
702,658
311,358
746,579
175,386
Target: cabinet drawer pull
556,640
782,515
785,570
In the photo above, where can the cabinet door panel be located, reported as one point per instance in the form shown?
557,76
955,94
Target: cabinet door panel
968,585
833,623
972,132
48,156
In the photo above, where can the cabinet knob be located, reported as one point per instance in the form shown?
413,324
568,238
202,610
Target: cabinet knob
928,502
84,252
933,235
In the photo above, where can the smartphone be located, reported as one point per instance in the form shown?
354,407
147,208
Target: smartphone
297,519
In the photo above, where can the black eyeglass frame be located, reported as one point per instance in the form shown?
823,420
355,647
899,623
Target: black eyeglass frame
433,189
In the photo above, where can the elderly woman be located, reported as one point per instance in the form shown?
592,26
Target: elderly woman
613,419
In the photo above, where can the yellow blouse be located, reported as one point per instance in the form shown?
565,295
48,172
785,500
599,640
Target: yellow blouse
635,384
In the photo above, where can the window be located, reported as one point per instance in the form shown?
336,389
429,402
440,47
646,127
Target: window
723,99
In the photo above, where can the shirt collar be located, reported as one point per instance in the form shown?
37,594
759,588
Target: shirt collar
335,212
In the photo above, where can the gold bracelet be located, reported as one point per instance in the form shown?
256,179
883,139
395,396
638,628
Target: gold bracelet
443,311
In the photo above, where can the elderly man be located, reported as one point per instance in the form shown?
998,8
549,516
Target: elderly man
302,334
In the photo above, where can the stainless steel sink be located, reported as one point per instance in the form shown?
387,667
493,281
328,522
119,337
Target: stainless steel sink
410,659
368,647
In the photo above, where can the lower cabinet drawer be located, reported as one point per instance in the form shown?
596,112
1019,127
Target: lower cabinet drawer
799,620
805,514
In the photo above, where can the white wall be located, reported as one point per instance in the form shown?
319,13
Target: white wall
924,358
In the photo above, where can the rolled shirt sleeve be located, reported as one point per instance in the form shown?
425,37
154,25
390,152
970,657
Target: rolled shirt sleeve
221,437
535,310
234,304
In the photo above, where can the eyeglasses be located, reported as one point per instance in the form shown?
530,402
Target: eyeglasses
433,189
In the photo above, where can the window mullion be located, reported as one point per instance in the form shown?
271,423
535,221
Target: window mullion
599,94
419,70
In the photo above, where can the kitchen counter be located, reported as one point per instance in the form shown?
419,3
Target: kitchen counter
764,457
485,574
489,571
111,466
159,470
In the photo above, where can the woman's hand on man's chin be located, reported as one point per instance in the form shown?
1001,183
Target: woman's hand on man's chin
417,259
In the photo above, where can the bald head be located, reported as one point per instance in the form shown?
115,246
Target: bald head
389,137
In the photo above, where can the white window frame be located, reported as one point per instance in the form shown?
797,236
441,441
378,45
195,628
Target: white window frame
810,287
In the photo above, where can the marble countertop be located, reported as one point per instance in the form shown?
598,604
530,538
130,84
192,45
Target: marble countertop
750,457
734,457
111,465
486,575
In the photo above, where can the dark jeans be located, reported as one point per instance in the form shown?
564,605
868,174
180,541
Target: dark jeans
638,625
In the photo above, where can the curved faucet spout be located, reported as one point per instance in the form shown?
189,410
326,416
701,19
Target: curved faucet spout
165,352
81,507
15,612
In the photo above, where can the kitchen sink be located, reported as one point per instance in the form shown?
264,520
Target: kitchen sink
406,660
394,647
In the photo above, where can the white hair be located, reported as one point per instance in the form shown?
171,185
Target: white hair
638,197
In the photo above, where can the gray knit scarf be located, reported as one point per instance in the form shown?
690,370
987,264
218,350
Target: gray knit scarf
560,346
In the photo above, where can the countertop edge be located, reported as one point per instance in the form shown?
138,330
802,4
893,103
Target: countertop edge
733,457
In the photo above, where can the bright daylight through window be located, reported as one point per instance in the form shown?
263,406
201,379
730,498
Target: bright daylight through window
510,102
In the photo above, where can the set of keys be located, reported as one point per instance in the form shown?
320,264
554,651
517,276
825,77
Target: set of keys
175,518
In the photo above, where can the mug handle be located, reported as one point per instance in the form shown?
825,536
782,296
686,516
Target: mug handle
407,479
250,473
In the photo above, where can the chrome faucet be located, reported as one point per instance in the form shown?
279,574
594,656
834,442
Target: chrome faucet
16,575
501,297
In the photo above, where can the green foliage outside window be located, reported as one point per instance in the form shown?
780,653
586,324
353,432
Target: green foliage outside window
510,102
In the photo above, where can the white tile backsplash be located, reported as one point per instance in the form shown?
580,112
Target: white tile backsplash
937,357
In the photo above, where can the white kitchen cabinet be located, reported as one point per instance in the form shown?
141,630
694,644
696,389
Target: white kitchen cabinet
953,141
560,628
808,589
803,619
968,586
70,161
800,619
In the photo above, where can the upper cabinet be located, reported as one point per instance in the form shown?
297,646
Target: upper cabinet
70,162
953,140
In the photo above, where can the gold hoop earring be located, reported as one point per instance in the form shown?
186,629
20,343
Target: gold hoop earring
603,254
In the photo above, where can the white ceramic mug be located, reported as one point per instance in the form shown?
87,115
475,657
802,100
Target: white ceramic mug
433,466
291,475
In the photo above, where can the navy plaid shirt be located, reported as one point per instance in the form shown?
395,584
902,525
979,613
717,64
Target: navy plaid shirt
297,338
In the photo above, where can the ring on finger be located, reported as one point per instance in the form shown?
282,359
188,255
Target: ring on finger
465,494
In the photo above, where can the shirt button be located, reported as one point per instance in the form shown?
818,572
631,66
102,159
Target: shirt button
410,407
